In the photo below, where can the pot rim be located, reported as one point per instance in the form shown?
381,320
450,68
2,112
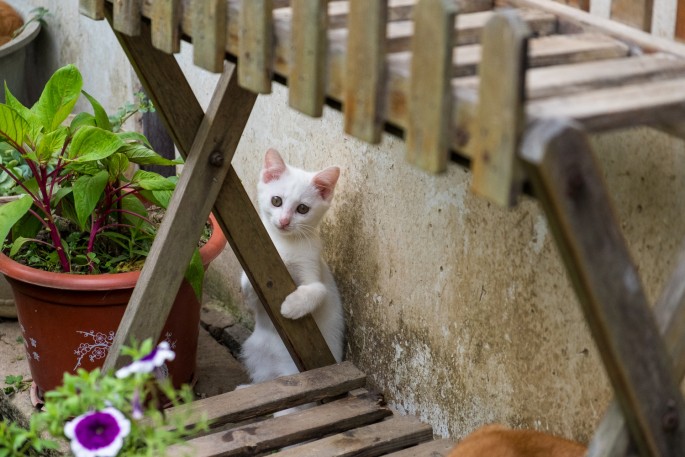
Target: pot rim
105,281
25,37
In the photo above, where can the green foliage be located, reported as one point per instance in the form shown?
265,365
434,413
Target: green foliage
80,212
87,391
15,384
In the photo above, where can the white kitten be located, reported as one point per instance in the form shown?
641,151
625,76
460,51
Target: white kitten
291,204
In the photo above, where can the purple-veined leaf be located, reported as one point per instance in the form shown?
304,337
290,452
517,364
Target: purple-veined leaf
87,192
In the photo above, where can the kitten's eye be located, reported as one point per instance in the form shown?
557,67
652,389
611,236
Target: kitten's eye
276,201
303,209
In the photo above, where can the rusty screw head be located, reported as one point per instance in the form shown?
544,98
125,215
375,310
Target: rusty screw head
216,159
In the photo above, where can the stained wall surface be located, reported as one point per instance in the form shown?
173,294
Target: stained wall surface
460,311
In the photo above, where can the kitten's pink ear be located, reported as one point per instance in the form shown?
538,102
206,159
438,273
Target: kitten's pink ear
274,166
325,181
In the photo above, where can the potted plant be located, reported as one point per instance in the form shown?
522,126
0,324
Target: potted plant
78,235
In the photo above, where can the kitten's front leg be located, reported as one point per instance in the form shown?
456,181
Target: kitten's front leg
249,293
305,299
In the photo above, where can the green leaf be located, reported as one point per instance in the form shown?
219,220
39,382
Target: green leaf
132,137
27,226
17,244
152,181
50,143
59,195
58,98
11,212
87,193
131,203
195,273
23,111
13,127
101,118
160,198
82,120
93,143
142,155
116,165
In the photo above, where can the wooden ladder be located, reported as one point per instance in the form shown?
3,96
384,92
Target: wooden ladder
547,75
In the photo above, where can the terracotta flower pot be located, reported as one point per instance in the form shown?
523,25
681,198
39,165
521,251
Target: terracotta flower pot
69,321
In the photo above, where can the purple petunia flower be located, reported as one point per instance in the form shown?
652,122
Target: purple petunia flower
150,362
98,433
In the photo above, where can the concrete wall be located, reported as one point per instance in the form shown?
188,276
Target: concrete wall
461,312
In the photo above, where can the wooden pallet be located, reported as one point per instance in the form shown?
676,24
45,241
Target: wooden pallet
347,420
514,88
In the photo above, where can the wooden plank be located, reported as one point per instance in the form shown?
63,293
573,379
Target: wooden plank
568,15
166,22
611,438
652,103
276,395
430,106
174,100
178,233
256,43
370,441
94,9
365,70
209,34
265,436
127,16
680,20
636,13
569,185
306,77
469,27
500,115
585,76
436,448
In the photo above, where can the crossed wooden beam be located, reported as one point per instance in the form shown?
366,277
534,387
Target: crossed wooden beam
649,412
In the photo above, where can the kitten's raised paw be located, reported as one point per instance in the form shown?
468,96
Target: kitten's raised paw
292,308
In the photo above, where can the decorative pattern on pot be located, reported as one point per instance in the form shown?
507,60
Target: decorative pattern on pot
95,350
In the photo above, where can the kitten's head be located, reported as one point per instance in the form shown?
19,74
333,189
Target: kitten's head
293,200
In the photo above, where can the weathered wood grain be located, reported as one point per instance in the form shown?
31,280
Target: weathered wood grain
567,181
209,34
166,23
276,395
370,441
127,16
430,105
256,45
365,70
436,448
307,77
501,115
636,13
94,9
680,21
253,439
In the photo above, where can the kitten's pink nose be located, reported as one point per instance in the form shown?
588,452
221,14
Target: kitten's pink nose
284,222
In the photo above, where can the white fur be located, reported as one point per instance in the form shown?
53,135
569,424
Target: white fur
264,355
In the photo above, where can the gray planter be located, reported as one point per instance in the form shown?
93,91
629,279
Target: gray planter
13,62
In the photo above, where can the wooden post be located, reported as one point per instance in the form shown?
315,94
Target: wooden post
307,78
365,72
166,24
636,13
255,54
209,34
430,101
611,438
500,118
680,21
127,16
177,106
567,181
94,9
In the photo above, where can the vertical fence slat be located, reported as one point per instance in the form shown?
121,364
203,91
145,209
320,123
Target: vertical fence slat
209,34
636,13
680,20
500,116
308,67
256,46
430,100
94,9
365,72
166,22
127,16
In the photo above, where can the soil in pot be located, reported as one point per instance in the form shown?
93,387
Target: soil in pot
69,321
